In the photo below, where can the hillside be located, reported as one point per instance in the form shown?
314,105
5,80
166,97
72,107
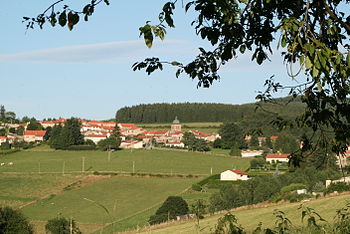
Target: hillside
250,218
206,112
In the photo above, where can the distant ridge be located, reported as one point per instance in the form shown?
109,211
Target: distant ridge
206,112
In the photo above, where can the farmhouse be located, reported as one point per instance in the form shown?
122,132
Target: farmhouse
233,175
271,158
34,136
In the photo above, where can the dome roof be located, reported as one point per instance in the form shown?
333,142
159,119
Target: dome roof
176,121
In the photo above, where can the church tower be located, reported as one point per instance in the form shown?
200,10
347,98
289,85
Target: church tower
176,126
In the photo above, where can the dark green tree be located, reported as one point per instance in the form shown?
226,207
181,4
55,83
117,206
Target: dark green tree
2,112
231,135
286,144
12,221
34,125
194,143
70,134
109,143
173,206
55,137
254,142
267,143
61,225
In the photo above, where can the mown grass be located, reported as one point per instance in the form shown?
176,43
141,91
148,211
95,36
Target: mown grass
129,198
250,218
16,190
145,161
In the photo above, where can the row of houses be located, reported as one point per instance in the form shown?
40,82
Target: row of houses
131,135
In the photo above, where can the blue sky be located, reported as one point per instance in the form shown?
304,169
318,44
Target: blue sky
87,72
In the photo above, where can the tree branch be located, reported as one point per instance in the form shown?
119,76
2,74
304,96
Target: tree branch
335,17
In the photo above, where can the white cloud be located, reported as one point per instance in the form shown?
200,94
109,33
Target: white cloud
109,52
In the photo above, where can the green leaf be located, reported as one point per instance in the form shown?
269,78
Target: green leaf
348,59
242,49
73,19
308,63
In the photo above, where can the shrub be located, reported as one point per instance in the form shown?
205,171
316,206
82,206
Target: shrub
196,187
12,221
61,225
339,187
173,206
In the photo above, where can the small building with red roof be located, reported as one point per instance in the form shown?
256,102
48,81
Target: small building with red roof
233,175
3,139
277,158
34,135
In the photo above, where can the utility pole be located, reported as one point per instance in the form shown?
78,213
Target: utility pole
83,164
63,167
109,153
211,170
39,167
133,166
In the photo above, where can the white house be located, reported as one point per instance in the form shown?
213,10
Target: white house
34,135
131,144
277,158
251,153
233,175
96,137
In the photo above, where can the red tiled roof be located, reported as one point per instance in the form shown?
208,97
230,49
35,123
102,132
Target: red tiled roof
277,155
238,172
273,137
2,137
35,133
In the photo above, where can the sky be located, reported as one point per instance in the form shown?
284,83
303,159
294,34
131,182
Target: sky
87,73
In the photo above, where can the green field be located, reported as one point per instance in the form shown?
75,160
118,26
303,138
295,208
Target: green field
123,197
144,161
36,176
250,218
17,190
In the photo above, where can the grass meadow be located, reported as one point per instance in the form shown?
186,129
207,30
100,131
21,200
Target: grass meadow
17,190
250,218
51,183
142,161
129,201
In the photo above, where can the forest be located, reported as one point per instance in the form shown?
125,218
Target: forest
209,112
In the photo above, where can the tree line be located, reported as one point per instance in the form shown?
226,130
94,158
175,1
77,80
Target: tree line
207,112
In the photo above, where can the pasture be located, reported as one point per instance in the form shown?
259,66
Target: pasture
17,190
138,161
250,218
131,199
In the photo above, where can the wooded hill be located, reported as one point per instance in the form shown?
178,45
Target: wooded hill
208,112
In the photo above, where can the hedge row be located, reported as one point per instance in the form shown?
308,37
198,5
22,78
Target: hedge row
9,151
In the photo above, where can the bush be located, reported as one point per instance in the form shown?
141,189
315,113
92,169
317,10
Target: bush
61,225
12,221
339,187
196,187
173,206
292,187
9,151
